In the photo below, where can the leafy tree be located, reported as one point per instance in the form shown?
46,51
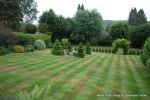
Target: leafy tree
88,48
132,20
43,28
119,30
10,13
141,18
139,34
88,25
81,52
29,10
49,17
30,28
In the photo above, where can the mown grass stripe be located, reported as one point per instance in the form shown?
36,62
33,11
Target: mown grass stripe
84,94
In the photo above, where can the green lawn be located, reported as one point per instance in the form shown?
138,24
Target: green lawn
76,78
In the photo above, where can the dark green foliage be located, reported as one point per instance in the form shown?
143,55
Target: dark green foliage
81,52
121,43
119,30
100,50
76,48
137,18
2,51
43,28
139,34
132,20
29,48
146,51
148,63
94,50
105,50
57,49
141,18
64,43
30,28
29,10
88,48
7,38
109,50
10,13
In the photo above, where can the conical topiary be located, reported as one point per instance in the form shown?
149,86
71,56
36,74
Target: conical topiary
81,53
88,48
57,49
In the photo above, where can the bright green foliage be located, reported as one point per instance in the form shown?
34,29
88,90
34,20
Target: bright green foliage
43,28
24,39
64,43
38,93
29,48
19,49
81,52
30,28
146,51
88,48
39,44
69,47
119,30
120,43
57,49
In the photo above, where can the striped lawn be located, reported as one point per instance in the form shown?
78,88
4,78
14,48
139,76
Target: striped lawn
99,76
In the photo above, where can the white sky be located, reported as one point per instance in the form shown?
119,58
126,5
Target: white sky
109,9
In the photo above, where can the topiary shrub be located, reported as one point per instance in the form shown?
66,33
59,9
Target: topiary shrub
94,50
69,47
121,43
57,49
109,50
99,49
146,51
39,44
81,52
19,49
88,48
64,43
148,63
29,48
105,50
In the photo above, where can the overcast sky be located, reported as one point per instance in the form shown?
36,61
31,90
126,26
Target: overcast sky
109,9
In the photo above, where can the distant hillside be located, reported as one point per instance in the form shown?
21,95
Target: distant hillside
109,22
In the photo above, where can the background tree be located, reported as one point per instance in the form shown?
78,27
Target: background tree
43,28
88,25
132,20
139,34
119,30
10,13
30,28
29,10
141,18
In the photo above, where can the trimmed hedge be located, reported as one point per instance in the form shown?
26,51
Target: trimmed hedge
81,52
57,49
19,49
